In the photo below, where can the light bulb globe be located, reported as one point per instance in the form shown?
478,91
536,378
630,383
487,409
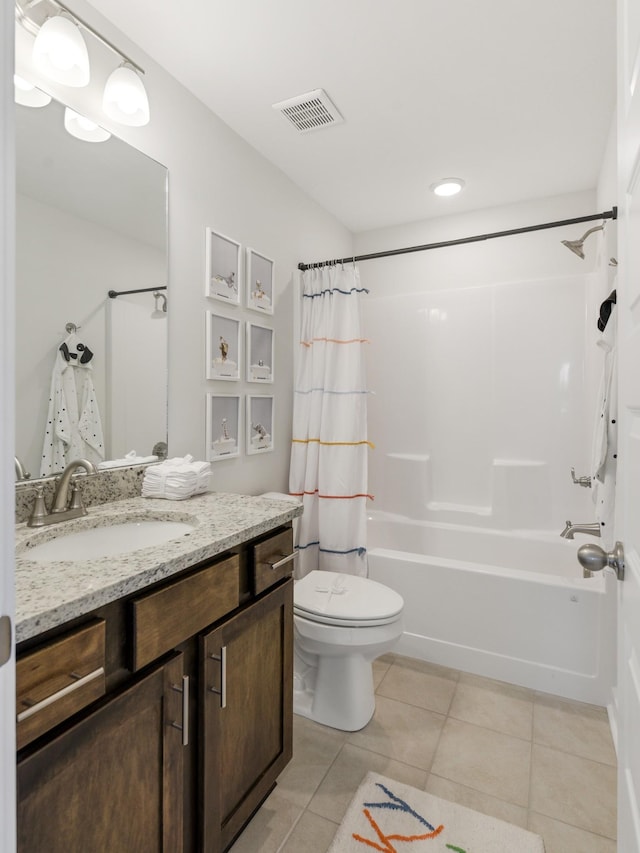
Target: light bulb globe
125,98
83,128
60,52
27,95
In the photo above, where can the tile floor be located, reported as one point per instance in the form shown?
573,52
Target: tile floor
529,758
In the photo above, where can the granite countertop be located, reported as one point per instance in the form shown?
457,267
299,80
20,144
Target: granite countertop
49,594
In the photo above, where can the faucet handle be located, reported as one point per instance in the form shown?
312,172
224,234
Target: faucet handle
585,482
76,499
39,511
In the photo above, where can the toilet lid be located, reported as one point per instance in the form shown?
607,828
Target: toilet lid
338,599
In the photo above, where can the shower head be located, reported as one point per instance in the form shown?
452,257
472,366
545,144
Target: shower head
576,246
159,313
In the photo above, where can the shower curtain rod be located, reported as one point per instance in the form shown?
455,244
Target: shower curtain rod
608,214
113,293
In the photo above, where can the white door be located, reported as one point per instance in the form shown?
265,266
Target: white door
628,486
7,204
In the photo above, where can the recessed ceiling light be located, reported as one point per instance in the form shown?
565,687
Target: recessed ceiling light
447,186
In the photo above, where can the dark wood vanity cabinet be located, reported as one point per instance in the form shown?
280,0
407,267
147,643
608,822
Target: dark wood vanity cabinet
113,781
247,713
187,729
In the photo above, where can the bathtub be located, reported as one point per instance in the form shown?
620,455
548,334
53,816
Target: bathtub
507,605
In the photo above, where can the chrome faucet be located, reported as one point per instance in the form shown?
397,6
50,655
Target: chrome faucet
21,474
585,482
61,502
67,500
570,529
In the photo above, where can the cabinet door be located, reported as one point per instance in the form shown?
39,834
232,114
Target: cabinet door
247,701
114,780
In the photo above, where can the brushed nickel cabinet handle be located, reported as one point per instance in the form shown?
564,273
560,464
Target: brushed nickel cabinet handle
184,728
284,560
222,692
70,688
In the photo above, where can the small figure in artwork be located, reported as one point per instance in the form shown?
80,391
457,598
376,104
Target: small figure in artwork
259,293
224,348
229,280
225,444
261,440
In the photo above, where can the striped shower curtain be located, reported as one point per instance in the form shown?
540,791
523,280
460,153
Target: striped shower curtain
329,442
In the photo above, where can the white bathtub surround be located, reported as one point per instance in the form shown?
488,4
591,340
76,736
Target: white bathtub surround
517,498
496,404
503,604
329,435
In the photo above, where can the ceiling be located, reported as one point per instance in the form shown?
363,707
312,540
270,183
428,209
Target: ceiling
512,96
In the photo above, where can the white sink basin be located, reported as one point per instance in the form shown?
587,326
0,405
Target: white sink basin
95,542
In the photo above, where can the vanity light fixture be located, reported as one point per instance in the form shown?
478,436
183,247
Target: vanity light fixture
125,98
27,94
83,128
447,186
60,52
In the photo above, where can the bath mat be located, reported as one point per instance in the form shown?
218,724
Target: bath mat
394,818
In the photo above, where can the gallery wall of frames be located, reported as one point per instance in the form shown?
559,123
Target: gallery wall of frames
239,346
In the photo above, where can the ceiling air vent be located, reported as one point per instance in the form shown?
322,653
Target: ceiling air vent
310,111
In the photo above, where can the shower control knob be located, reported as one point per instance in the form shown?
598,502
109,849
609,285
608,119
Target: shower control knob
595,559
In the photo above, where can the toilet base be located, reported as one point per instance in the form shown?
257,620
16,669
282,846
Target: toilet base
334,691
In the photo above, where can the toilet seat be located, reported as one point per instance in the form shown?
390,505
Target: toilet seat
345,600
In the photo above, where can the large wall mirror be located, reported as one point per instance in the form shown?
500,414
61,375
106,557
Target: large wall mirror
91,217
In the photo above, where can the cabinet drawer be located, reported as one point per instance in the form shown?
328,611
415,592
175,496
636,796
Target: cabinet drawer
58,679
164,619
272,560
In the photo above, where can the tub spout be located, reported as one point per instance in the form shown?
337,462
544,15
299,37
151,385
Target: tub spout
570,529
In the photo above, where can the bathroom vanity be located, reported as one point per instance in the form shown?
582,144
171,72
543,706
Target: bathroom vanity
154,687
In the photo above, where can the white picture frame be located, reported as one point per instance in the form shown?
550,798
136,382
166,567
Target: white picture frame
260,353
223,427
223,268
222,347
260,423
260,282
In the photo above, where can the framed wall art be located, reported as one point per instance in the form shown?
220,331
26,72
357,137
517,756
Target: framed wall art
223,261
260,278
259,424
222,347
260,349
222,427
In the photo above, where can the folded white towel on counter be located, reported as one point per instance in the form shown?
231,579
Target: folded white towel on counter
130,458
176,479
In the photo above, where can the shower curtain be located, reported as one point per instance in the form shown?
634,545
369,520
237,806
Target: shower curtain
329,443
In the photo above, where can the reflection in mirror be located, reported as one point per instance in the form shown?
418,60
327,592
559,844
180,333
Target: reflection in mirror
91,217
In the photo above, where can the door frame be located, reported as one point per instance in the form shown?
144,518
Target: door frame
7,445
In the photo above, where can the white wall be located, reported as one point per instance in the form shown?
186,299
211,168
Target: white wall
215,180
137,360
51,293
481,353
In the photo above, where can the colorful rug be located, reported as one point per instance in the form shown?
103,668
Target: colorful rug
394,818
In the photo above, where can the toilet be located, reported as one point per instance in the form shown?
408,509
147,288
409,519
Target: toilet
341,624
